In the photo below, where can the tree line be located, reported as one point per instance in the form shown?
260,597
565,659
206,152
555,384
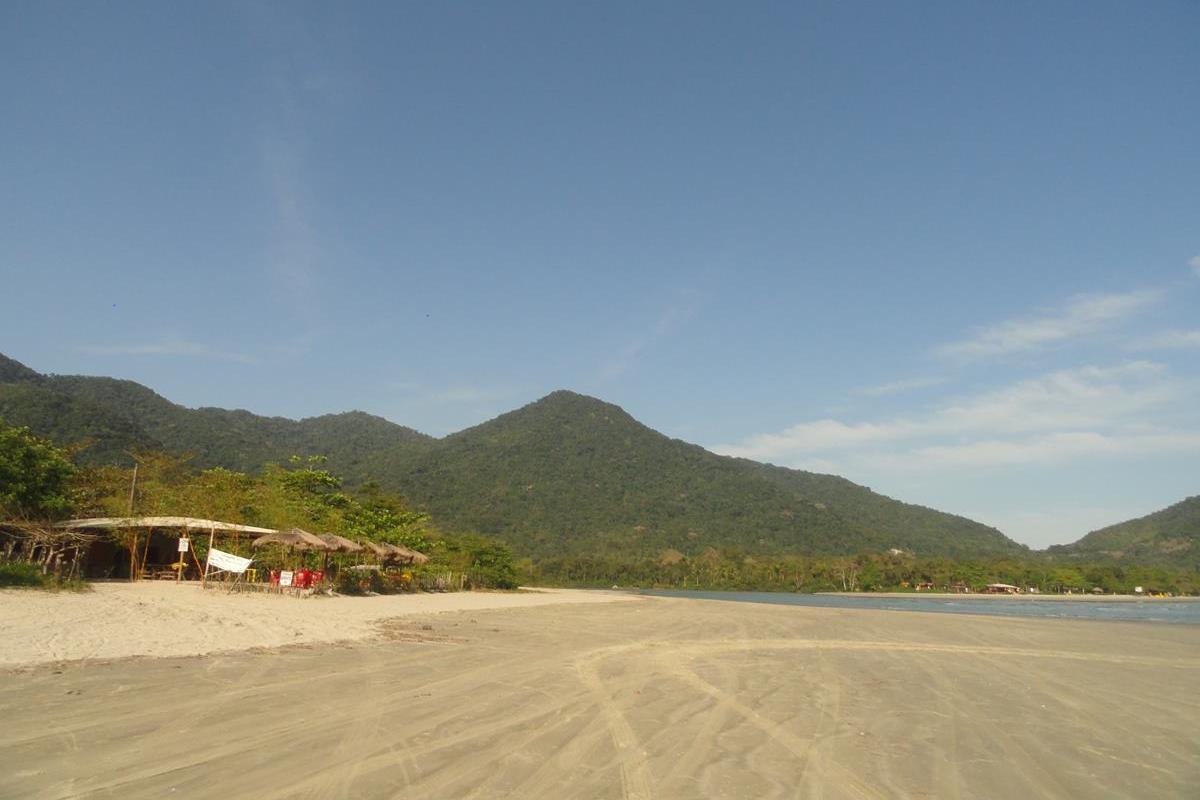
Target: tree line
733,570
40,484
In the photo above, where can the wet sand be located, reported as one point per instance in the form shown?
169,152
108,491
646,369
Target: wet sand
648,698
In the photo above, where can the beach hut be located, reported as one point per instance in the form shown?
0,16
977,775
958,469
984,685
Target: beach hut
124,553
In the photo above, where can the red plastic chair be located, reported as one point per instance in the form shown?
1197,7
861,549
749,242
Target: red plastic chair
303,579
317,576
274,577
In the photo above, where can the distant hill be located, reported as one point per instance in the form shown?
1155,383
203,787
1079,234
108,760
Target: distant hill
565,475
1167,538
122,415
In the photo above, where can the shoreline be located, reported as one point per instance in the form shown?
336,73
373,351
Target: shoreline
1073,598
121,620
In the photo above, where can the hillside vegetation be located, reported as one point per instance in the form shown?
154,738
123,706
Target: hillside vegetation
571,474
117,417
565,475
1168,538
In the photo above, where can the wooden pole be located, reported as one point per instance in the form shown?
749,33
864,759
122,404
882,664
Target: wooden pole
212,532
133,550
199,566
179,555
145,551
132,488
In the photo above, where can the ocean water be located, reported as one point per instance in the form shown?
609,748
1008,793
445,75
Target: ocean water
1186,612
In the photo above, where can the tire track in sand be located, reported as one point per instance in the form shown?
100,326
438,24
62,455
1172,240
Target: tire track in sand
800,747
636,781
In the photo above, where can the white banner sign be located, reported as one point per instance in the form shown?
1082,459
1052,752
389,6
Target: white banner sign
227,561
183,544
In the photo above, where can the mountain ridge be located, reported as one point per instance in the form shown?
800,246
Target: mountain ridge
564,474
121,415
1167,537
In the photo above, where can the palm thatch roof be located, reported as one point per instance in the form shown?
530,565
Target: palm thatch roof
340,543
187,523
378,548
393,552
410,556
294,538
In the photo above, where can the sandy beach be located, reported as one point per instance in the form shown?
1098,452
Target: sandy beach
582,695
161,618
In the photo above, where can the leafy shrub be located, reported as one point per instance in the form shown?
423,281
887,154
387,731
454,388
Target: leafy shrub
21,573
26,574
359,581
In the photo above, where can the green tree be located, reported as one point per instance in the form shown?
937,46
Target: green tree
35,476
305,496
1065,579
487,562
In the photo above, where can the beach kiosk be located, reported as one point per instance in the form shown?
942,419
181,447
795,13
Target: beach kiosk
139,548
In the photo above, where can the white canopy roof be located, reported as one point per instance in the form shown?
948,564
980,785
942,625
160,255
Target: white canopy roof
161,522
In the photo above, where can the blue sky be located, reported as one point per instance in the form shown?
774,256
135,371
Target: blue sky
950,251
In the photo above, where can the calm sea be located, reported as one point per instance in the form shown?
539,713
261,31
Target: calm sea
1131,610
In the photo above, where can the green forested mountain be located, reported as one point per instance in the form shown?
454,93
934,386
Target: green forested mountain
922,530
565,475
14,371
571,474
118,416
1168,538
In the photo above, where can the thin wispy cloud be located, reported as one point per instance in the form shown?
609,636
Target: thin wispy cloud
167,347
682,307
294,251
1050,448
620,362
1081,316
898,387
1169,340
297,82
1057,415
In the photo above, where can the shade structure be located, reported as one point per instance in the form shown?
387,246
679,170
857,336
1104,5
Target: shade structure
103,523
392,552
294,538
188,526
410,556
340,543
379,549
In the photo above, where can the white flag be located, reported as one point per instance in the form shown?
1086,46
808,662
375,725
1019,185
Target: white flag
227,561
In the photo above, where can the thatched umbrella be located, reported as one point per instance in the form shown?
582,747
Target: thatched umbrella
292,539
410,556
381,550
338,544
392,552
